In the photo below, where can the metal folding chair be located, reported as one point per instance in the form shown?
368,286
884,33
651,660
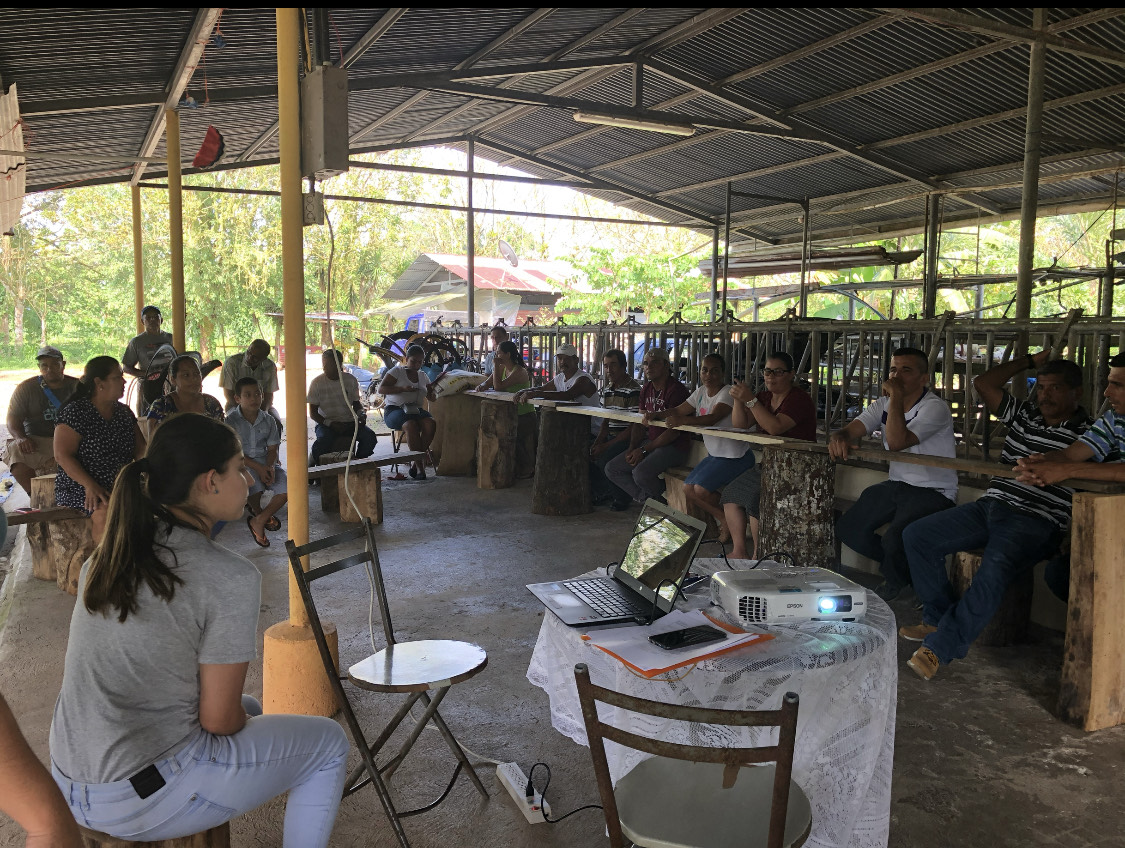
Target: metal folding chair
689,796
413,668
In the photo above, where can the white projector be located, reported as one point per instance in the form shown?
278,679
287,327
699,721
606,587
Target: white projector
781,594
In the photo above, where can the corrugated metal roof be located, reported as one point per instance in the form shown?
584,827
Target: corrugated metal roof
884,102
439,272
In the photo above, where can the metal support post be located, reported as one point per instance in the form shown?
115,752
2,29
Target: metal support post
726,258
930,261
138,258
714,271
803,309
1030,197
471,246
176,230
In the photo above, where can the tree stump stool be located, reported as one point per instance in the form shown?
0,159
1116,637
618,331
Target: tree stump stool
42,497
366,484
496,445
562,466
455,439
216,837
330,489
798,495
1009,625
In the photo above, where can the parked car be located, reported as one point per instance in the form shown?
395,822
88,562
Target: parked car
367,381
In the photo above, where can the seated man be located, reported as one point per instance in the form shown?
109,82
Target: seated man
333,397
261,442
912,420
140,350
1104,443
256,363
1017,525
498,334
32,415
623,393
569,383
636,471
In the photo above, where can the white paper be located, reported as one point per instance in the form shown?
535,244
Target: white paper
632,645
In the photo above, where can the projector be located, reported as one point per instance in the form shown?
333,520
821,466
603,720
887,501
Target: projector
783,594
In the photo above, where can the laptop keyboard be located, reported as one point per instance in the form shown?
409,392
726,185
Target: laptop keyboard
604,599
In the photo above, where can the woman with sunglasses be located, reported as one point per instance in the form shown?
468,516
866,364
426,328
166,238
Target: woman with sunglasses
780,410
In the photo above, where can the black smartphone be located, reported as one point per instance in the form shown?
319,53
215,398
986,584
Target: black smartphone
688,637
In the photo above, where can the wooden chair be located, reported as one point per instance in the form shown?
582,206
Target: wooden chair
688,796
412,668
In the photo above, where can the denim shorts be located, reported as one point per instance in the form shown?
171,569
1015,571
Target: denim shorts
396,416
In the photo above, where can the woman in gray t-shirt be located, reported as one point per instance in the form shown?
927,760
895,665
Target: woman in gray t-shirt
152,738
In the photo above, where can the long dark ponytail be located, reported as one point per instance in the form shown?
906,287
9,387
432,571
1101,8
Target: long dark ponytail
182,448
100,367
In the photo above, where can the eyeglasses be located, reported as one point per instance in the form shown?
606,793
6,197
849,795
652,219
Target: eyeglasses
772,372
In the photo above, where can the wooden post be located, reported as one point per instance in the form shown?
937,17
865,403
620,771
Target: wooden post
458,419
216,837
1092,691
496,445
798,490
70,543
562,466
1009,624
42,497
367,490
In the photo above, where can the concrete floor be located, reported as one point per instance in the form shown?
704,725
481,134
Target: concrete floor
980,758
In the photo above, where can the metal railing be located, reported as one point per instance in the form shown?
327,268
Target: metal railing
841,363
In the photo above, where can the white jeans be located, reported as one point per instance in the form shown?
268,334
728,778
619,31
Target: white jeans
213,778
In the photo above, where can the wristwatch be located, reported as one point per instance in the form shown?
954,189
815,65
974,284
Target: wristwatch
644,452
750,404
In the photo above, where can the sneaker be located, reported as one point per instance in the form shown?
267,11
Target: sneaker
600,499
924,663
888,591
620,506
916,632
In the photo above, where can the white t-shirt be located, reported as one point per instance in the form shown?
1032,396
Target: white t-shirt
415,395
931,421
562,384
325,394
704,404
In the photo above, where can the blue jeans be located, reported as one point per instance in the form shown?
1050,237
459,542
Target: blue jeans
1013,541
328,440
213,778
644,481
599,483
890,502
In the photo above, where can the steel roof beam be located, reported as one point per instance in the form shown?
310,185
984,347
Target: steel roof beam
366,41
662,41
1008,32
496,43
198,36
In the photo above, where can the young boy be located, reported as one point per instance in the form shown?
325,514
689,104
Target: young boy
261,441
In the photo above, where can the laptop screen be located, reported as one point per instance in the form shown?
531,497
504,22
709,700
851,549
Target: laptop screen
662,547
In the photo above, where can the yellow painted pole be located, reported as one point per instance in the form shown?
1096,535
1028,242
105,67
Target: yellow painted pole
293,678
138,259
176,228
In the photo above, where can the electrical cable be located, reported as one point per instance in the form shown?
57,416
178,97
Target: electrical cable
530,790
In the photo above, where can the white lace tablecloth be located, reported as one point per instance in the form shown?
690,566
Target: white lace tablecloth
845,672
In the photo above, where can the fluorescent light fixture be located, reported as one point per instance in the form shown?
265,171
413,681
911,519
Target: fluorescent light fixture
633,123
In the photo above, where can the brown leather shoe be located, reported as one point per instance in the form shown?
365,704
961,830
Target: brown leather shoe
916,632
924,663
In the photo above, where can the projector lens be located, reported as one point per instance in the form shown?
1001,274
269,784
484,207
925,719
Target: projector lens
835,603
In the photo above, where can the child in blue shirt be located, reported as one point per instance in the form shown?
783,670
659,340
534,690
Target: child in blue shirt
261,441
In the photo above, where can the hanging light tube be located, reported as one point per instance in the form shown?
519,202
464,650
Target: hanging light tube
633,123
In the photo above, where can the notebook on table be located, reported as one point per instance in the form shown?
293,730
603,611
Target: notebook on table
661,548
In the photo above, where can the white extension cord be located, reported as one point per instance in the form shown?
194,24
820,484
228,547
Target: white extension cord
513,779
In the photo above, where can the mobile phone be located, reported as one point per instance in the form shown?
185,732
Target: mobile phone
687,637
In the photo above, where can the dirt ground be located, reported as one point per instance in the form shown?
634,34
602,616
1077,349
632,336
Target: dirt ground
980,758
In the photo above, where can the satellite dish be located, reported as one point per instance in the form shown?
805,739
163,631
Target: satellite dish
509,254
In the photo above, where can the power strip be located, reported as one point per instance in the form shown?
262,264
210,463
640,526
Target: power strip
513,779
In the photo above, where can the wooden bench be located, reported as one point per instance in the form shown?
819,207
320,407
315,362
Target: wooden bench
365,482
60,539
216,837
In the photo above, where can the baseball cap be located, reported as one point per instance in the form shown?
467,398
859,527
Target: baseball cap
50,351
658,353
566,350
151,308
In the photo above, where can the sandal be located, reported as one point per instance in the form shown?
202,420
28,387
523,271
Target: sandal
262,542
273,524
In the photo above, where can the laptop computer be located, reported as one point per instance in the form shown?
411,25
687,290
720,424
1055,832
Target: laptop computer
662,547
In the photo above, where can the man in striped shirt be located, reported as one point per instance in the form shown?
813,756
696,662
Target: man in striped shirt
1016,524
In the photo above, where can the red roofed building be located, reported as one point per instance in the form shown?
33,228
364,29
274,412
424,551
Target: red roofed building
435,284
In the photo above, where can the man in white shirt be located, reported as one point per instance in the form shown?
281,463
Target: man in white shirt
912,419
332,409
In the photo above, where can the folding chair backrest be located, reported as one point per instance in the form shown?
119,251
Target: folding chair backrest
785,719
